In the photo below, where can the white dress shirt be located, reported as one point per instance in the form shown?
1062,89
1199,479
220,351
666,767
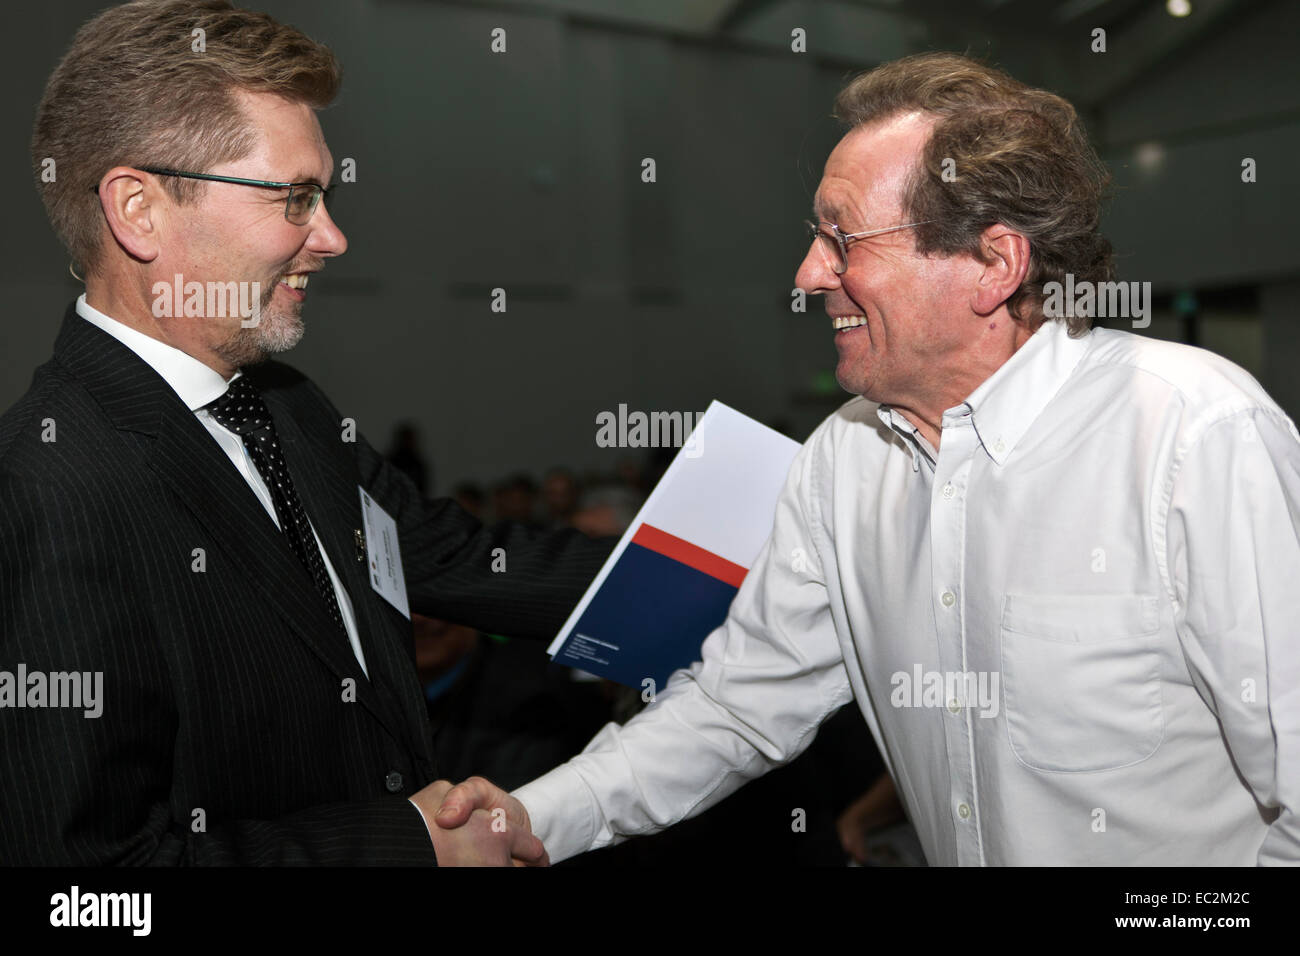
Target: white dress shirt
1106,543
197,385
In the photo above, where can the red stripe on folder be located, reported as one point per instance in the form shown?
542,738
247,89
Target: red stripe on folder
679,549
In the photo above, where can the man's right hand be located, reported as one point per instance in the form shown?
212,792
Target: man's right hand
484,835
477,795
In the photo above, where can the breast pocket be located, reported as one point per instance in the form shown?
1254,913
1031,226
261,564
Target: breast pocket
1081,677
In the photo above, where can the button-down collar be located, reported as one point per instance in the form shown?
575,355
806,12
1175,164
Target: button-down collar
1005,404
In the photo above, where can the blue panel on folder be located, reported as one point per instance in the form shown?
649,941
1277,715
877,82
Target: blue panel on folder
648,619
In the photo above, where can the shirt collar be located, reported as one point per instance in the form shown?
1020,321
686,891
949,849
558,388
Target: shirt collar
1005,404
194,382
917,445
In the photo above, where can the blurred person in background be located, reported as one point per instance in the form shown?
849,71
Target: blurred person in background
404,455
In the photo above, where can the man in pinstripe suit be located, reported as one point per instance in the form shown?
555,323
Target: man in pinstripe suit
182,517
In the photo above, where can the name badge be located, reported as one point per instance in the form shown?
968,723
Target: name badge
383,557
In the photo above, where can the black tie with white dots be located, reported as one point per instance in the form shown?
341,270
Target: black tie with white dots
242,411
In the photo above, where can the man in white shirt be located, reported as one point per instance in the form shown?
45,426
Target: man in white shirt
1055,567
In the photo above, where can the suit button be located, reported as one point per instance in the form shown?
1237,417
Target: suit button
393,782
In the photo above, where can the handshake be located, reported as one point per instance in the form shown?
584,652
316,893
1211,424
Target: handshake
476,823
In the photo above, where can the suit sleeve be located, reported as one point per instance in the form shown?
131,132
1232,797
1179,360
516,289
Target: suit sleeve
506,579
80,788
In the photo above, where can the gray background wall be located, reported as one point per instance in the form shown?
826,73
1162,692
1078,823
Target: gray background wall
522,171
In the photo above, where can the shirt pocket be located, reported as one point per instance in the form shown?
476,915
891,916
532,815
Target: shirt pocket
1081,678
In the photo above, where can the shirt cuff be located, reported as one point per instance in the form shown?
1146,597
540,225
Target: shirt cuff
428,829
562,811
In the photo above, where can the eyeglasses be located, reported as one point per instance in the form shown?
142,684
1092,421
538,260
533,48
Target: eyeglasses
835,247
299,205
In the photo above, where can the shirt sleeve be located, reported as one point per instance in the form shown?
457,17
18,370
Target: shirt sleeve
769,675
1233,553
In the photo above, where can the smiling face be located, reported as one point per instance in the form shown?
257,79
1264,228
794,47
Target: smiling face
904,318
239,233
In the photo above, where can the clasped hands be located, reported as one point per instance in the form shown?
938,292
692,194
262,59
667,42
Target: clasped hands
476,823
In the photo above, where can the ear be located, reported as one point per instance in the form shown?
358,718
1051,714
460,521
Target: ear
1005,262
133,202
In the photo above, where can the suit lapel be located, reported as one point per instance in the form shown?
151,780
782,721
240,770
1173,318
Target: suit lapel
185,456
327,484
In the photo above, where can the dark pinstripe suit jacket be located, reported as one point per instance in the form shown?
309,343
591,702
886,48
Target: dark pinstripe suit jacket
225,735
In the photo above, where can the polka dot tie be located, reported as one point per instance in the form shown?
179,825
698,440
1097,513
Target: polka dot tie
242,411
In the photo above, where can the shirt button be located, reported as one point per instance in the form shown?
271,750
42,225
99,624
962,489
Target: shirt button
954,705
949,490
393,781
998,446
963,811
948,598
